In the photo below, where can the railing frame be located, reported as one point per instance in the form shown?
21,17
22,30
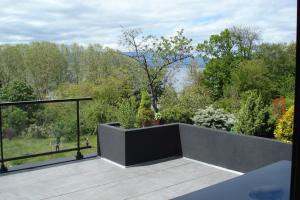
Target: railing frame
78,156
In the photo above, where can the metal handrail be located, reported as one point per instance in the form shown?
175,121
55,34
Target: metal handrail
3,168
44,101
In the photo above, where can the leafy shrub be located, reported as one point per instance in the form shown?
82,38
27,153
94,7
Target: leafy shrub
36,131
230,101
145,115
17,91
8,133
214,118
16,119
254,117
45,115
93,113
63,129
228,104
289,101
193,97
59,116
284,127
127,113
20,91
168,98
176,114
102,109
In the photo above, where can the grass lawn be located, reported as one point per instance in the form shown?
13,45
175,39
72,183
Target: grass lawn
20,146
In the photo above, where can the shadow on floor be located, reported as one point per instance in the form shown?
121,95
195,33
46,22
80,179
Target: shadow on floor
46,164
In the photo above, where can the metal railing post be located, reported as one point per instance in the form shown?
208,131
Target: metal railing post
79,155
3,167
98,143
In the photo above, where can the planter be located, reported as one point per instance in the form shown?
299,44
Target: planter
134,146
156,122
233,151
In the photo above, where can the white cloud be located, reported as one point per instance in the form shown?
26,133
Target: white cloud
100,21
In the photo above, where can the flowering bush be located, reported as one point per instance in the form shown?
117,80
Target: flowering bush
214,118
285,125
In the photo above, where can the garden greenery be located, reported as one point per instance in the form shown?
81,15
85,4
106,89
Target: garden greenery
226,68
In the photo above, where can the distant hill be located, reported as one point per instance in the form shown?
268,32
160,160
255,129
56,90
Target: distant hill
187,61
198,60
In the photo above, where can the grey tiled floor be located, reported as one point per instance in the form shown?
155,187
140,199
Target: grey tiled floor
99,179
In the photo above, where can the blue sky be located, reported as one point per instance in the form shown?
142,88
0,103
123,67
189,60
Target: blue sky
99,21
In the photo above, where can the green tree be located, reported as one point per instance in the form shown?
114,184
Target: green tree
17,91
254,117
15,119
217,75
245,40
218,46
145,115
46,65
155,56
101,110
280,59
93,62
253,75
18,117
219,54
74,54
11,65
222,53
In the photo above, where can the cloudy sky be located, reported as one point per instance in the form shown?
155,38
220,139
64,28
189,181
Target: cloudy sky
99,21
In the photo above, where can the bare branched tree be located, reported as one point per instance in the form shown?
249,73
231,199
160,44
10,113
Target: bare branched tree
245,39
155,56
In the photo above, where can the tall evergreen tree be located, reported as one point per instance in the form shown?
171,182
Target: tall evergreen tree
145,115
254,117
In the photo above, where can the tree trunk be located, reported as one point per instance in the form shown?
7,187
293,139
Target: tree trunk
153,98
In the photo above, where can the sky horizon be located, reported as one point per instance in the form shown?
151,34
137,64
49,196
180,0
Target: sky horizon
101,21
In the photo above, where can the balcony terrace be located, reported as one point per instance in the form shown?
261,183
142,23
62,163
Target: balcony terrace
158,162
99,179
